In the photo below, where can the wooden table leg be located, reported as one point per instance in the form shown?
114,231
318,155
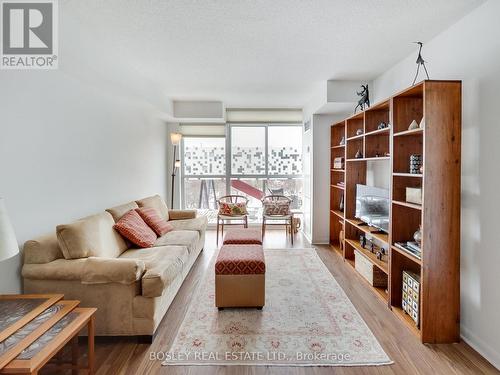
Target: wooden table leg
91,345
74,354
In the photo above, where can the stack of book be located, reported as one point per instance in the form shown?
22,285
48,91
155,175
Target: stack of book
410,247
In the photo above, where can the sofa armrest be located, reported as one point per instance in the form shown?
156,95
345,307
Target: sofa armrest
112,270
181,214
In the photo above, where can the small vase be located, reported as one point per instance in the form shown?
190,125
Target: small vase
359,155
417,236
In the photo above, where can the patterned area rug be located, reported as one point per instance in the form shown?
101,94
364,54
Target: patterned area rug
307,321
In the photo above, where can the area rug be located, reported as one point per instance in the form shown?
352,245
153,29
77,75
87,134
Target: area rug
307,321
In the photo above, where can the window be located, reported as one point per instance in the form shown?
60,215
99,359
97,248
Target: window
248,150
203,173
264,159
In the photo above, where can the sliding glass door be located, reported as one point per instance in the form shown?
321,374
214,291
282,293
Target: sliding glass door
265,159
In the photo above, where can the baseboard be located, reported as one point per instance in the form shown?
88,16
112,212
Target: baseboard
480,346
306,236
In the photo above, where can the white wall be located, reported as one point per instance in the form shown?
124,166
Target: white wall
470,51
307,152
69,149
321,176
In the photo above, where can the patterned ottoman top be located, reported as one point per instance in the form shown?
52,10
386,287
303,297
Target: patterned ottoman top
243,236
240,260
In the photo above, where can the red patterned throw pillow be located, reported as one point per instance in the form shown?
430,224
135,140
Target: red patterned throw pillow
154,220
133,228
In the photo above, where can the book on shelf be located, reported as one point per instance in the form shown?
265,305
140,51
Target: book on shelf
410,247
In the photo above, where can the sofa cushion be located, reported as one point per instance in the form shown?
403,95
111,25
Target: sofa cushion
187,238
198,224
133,228
153,219
155,202
163,265
43,249
90,236
112,270
118,211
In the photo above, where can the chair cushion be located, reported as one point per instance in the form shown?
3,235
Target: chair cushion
118,211
133,228
240,260
155,202
232,209
187,238
90,236
243,236
276,208
163,264
153,219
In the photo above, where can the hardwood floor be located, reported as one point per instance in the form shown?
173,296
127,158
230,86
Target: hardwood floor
126,356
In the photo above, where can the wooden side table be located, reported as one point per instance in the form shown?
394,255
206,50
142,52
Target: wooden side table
36,342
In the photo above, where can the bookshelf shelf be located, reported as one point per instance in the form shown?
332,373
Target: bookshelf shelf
406,254
370,256
439,102
406,204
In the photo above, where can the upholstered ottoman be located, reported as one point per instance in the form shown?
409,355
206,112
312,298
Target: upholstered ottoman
243,236
240,276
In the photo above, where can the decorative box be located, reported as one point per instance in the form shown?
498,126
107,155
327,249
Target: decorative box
414,195
415,163
338,163
371,273
411,295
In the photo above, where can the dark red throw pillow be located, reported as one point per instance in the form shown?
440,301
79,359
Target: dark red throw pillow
152,218
133,228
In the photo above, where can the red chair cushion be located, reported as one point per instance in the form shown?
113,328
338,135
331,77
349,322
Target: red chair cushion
152,218
133,228
243,236
240,260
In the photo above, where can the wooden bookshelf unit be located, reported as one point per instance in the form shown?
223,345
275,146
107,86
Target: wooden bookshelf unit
438,143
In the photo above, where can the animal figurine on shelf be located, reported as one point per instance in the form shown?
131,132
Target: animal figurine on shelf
420,62
364,100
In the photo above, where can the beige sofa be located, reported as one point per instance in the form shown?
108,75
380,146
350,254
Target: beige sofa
132,288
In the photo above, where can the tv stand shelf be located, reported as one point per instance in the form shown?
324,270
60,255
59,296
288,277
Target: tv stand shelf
370,256
438,106
378,234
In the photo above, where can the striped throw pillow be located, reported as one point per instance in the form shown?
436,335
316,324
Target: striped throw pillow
133,228
153,219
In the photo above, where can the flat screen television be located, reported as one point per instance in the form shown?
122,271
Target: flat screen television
372,206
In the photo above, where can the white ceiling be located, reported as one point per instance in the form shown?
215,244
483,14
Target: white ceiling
246,53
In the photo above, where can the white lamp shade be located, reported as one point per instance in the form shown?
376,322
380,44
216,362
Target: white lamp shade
175,138
8,242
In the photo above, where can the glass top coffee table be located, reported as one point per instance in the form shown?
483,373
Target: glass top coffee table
34,328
